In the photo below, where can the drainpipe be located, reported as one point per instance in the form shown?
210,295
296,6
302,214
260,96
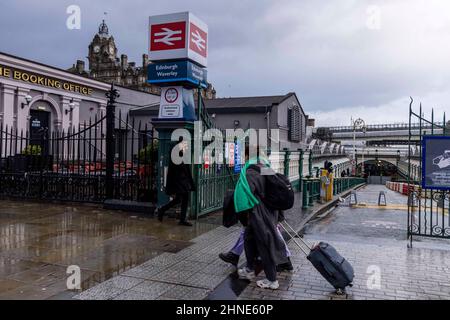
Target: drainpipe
268,111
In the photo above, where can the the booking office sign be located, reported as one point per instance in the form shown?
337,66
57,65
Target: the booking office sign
41,80
436,162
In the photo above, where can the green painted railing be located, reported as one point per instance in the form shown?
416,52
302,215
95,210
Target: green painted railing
311,191
343,184
212,184
311,188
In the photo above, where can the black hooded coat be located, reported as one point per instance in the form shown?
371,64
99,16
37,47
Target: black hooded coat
263,221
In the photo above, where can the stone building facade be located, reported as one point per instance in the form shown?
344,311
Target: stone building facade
105,65
34,94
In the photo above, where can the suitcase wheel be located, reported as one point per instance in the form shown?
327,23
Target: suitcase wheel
340,292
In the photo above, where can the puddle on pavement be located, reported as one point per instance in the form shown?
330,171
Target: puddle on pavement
39,241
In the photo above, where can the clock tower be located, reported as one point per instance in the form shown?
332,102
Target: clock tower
105,65
103,60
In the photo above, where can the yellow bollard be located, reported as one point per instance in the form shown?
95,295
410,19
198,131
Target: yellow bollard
329,193
326,185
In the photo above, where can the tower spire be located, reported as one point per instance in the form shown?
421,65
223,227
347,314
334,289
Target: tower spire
103,28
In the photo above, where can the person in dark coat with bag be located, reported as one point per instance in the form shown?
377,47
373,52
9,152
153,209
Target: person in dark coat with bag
261,237
179,184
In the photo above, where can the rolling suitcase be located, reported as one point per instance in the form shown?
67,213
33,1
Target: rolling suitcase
331,265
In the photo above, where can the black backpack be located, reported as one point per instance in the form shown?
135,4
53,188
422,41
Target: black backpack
279,193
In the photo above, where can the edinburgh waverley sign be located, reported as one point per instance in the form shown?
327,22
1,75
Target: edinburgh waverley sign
178,36
177,71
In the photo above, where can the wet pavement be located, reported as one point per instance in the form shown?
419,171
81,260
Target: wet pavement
38,241
194,273
373,240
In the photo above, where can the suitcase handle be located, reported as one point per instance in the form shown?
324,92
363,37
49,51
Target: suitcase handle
293,238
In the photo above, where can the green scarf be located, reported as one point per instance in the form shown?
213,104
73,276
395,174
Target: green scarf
243,196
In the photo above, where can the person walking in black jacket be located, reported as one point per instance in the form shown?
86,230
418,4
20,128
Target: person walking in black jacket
179,184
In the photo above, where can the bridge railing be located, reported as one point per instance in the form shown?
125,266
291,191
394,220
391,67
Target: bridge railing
416,171
383,127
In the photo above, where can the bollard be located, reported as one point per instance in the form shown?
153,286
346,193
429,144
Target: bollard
382,195
353,197
413,200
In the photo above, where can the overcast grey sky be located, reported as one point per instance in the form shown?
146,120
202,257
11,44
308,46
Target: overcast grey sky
343,58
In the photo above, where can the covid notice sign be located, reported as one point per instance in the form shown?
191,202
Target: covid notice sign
436,162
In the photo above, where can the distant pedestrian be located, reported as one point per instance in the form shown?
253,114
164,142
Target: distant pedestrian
179,185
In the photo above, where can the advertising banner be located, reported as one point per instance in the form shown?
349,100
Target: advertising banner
237,157
230,148
436,162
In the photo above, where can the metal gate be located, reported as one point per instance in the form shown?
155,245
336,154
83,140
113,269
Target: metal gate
71,165
213,180
428,210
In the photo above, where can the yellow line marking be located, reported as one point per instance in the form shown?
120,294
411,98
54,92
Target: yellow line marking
397,207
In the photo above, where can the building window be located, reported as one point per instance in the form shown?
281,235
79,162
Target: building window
294,124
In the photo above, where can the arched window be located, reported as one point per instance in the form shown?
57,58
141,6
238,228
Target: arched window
294,124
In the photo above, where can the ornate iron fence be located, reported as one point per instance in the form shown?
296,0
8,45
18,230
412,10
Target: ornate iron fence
71,165
428,210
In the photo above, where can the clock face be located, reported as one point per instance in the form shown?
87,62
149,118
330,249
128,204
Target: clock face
111,50
96,49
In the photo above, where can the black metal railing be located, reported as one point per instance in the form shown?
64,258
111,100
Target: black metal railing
71,165
428,209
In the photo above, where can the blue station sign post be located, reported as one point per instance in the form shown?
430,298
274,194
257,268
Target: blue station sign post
178,49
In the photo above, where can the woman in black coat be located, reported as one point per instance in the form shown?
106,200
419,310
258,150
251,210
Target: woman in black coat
178,185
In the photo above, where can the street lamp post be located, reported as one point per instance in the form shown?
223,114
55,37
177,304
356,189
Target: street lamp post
112,95
358,124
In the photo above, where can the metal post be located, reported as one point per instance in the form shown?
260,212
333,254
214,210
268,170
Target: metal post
409,233
300,171
310,163
195,166
354,149
112,94
286,162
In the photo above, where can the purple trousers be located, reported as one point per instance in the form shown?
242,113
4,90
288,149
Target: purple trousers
238,247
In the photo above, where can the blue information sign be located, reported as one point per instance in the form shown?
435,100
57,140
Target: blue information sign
436,162
182,71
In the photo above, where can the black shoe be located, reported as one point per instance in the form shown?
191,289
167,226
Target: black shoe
285,266
185,223
159,213
229,257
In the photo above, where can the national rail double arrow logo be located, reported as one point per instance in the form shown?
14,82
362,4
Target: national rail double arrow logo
197,40
168,36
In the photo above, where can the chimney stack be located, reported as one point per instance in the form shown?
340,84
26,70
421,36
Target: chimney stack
80,66
124,61
144,60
